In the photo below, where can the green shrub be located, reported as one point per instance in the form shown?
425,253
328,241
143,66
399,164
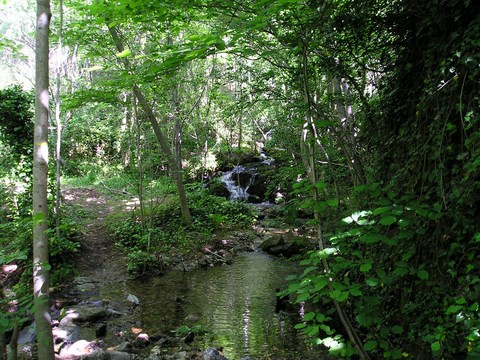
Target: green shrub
381,272
165,236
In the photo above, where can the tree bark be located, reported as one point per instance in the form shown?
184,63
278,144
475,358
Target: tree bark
40,180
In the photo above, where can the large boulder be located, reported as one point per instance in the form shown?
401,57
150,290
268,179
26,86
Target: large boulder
85,313
286,244
257,189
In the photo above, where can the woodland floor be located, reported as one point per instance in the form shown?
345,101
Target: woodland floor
98,257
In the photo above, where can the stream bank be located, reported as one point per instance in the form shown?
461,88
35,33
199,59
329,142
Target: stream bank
224,299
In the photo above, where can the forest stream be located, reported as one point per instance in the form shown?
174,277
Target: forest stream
235,305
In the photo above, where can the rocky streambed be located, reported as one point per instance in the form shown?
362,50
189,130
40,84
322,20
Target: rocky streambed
219,305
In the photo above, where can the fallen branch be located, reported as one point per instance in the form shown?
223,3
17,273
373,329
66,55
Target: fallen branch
115,191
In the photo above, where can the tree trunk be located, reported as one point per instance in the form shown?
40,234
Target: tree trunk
139,163
312,174
162,140
58,145
40,179
12,354
346,135
3,346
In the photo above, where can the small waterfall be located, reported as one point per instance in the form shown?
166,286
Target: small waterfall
233,183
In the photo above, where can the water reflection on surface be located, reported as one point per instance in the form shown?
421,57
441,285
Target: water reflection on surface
236,303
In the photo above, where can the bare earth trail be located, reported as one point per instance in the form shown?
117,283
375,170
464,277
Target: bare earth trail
98,256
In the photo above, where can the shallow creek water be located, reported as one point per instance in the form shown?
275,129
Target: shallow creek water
236,303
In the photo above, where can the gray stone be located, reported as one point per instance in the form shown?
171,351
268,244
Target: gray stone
272,241
27,335
212,354
67,332
84,313
117,355
124,346
79,349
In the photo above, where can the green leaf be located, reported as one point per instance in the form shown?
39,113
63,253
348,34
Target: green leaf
320,185
370,345
339,295
381,210
300,326
94,68
309,316
320,317
320,284
397,329
365,267
423,274
372,281
302,297
124,53
453,309
325,253
436,346
355,291
332,202
388,220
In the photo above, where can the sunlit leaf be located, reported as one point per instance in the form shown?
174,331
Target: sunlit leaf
94,68
124,53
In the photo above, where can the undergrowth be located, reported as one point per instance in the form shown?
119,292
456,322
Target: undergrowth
162,239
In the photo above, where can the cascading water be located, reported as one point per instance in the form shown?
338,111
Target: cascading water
238,180
231,179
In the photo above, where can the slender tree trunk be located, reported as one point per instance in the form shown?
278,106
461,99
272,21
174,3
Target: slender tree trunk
139,163
40,179
3,346
309,129
346,136
12,354
162,140
58,145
